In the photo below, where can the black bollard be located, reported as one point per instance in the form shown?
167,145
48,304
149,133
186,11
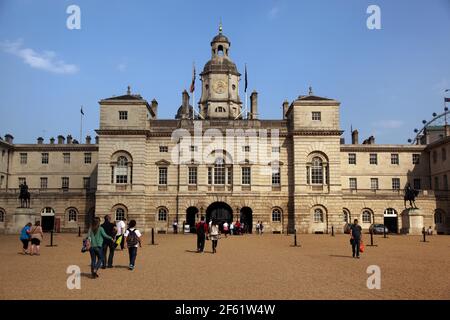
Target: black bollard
79,231
51,240
371,238
295,238
384,231
332,231
153,236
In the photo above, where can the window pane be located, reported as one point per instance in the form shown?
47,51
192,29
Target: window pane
246,176
163,176
192,175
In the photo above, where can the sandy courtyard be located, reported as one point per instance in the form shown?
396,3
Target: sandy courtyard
245,267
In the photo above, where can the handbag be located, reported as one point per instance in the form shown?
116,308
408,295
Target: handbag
351,241
86,245
361,247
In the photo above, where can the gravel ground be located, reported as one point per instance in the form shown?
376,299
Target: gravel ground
245,267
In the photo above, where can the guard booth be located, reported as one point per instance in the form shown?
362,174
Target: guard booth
48,219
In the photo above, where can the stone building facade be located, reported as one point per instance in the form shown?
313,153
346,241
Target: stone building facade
219,160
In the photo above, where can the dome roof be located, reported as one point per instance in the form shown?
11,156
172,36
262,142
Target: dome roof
221,65
220,38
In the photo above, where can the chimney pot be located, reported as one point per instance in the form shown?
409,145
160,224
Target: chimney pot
9,138
355,137
52,140
69,139
88,139
61,139
254,105
40,140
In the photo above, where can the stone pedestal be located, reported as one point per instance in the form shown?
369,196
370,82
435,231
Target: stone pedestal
412,221
20,218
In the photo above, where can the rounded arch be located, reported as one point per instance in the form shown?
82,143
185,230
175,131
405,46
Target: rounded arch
391,219
440,220
277,214
246,219
119,212
48,219
220,211
121,153
191,216
346,215
162,214
71,214
319,218
317,154
47,211
216,154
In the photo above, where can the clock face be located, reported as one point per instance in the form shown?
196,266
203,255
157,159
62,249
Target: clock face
219,86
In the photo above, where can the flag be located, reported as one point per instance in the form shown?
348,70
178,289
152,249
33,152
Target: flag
245,83
447,99
193,80
81,110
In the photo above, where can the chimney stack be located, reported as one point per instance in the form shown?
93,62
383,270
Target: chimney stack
96,139
52,140
9,138
371,140
254,105
88,139
61,139
355,137
69,139
155,107
185,104
40,140
285,108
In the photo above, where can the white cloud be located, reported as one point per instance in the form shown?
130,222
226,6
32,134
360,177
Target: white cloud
388,124
122,67
45,60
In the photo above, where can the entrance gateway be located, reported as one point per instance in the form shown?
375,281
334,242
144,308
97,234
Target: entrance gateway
391,220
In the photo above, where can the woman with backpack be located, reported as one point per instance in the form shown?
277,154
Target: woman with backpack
96,234
132,241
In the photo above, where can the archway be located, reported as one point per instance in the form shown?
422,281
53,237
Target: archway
191,215
391,220
220,211
246,217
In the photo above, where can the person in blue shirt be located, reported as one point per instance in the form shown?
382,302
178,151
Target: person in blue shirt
25,237
355,234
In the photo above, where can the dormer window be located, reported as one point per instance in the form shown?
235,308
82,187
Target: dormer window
123,115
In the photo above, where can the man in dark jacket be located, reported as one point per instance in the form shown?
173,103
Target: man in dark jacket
355,234
202,230
110,230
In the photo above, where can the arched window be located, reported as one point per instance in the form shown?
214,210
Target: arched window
220,51
2,216
318,215
162,214
390,212
48,211
366,216
121,171
120,214
346,216
220,109
317,171
276,215
72,215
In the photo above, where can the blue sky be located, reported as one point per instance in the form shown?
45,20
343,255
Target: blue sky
387,80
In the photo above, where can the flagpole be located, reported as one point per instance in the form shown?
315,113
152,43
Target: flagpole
81,124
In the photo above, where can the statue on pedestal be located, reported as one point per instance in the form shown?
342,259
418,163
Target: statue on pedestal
24,196
410,195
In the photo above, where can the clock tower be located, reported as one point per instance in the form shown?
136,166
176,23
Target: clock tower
220,83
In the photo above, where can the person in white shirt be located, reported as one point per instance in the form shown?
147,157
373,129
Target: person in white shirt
231,228
132,241
214,235
120,226
225,228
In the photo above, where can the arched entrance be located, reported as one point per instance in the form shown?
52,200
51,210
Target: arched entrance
391,220
246,217
220,211
48,219
191,217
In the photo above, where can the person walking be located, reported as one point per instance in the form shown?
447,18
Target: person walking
355,238
132,240
261,228
110,230
231,228
225,228
214,235
37,235
120,230
175,226
96,234
257,227
25,237
202,229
